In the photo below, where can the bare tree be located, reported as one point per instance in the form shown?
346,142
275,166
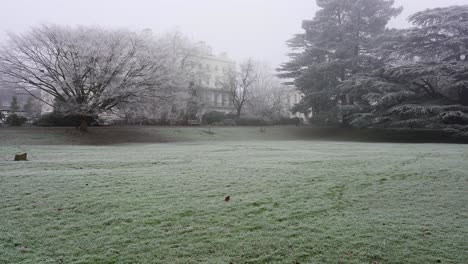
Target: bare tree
86,70
174,98
269,95
239,84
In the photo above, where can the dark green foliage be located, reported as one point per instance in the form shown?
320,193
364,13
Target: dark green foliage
219,118
334,46
250,122
56,119
412,78
427,88
15,120
453,118
286,121
229,122
213,117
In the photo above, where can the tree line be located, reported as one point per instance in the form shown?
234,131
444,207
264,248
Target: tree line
86,71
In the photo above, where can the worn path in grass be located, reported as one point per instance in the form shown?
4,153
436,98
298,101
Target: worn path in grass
291,201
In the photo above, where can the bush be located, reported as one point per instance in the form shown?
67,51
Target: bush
57,119
60,120
250,122
453,117
325,119
412,123
213,117
287,121
15,120
229,122
362,120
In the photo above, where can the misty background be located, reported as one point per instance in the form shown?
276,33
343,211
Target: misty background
242,28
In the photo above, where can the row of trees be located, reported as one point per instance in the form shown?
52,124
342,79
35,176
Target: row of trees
31,107
257,90
86,71
355,71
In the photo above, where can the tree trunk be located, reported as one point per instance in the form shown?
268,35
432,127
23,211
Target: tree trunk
463,94
238,114
83,124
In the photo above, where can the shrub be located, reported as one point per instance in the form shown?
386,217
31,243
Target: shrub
60,120
229,122
286,121
15,120
362,120
213,117
325,119
412,123
250,122
453,117
57,119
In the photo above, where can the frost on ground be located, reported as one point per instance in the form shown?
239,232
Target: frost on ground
290,201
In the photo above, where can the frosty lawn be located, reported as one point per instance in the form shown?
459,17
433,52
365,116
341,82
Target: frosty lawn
291,201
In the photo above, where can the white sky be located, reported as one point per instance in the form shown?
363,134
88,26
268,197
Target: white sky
243,28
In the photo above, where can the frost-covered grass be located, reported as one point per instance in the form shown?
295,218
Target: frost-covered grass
291,201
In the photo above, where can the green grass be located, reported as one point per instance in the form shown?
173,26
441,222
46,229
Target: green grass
292,201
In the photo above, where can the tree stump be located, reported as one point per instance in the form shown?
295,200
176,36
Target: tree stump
20,157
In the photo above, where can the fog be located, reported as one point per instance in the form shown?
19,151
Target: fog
242,28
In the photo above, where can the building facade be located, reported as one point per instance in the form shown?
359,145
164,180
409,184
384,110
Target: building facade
211,72
292,98
22,97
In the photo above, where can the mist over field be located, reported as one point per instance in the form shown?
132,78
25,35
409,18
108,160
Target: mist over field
327,131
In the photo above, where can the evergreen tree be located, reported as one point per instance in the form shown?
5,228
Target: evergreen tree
334,47
424,83
28,107
14,105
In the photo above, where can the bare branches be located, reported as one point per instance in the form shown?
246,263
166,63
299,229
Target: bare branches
239,84
87,69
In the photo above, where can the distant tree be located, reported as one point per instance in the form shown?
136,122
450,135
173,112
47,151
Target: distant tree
425,80
269,95
239,84
27,107
89,70
14,105
177,95
15,120
32,107
334,47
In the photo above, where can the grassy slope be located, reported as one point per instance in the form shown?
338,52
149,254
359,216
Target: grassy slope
305,201
116,135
